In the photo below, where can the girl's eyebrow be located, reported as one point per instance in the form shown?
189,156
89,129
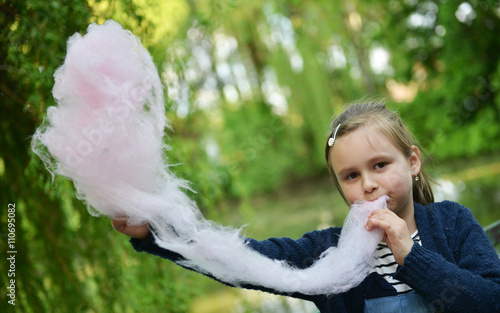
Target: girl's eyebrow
346,171
378,158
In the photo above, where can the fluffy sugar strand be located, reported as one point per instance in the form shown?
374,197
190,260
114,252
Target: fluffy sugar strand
106,135
224,255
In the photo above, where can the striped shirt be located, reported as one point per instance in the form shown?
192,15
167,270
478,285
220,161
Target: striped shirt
386,265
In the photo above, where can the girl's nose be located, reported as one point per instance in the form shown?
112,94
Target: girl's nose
369,184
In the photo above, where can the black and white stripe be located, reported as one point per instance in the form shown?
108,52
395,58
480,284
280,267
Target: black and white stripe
386,265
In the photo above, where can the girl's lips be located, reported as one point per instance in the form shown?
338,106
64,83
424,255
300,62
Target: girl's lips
376,199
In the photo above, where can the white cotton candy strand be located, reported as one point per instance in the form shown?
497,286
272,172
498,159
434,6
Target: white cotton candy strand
106,135
224,255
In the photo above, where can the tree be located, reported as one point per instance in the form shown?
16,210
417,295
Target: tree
66,261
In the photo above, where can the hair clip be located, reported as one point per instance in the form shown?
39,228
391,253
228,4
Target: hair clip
331,140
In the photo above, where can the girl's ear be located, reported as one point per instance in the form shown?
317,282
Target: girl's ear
415,162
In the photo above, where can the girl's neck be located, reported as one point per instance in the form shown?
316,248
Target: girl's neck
409,217
412,225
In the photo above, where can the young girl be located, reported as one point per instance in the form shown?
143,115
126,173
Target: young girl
434,256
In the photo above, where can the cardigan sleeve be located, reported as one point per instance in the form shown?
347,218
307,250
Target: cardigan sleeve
300,253
465,280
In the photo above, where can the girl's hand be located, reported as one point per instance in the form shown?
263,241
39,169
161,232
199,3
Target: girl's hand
397,236
138,231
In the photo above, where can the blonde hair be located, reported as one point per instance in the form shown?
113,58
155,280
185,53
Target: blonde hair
389,123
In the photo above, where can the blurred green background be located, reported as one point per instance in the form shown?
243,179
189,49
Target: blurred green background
252,87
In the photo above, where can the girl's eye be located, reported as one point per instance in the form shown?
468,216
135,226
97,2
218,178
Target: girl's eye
352,176
380,165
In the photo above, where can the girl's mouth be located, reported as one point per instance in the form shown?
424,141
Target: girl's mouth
386,197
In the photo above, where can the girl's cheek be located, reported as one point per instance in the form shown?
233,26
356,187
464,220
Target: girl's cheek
353,194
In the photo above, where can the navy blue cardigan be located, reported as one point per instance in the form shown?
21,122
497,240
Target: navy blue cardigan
456,268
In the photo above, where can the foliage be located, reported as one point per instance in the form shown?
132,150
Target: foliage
251,87
448,50
67,261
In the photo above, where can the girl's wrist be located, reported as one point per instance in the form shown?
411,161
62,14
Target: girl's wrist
404,253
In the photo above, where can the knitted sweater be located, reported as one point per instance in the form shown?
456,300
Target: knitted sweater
456,268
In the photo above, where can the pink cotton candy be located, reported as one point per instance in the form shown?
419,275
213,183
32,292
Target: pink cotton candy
106,135
106,131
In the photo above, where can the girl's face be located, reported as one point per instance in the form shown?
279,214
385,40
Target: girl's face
368,165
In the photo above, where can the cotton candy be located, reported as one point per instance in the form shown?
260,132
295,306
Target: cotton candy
106,135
